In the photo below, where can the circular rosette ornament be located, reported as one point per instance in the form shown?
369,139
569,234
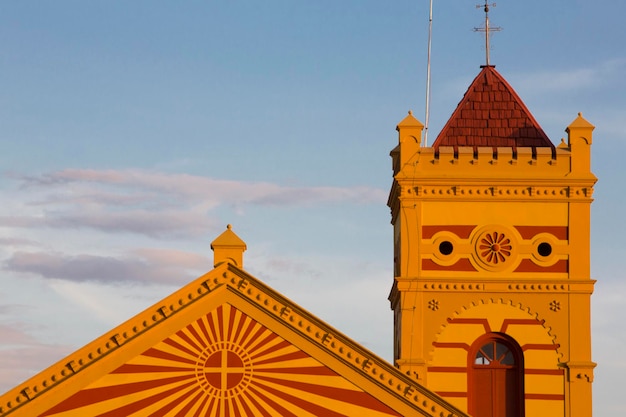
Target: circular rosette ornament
495,248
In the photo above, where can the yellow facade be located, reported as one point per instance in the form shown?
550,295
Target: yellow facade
494,240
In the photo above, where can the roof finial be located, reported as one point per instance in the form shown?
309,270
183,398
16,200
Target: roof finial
487,29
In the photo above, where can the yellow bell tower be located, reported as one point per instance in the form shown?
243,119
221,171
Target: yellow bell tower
492,287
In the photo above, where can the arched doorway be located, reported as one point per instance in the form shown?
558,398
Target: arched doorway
496,377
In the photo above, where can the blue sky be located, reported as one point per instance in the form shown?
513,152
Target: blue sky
131,133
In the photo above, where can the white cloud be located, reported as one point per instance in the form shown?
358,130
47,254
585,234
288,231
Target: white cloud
154,204
145,265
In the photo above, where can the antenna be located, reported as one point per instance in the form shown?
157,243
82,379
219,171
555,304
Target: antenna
487,29
430,37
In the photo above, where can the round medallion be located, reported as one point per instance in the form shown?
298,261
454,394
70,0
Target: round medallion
223,370
494,248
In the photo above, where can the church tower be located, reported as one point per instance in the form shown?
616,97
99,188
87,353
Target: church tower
492,287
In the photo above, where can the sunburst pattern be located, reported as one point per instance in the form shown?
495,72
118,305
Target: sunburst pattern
224,364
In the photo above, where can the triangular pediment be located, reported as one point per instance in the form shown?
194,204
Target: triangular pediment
224,345
492,114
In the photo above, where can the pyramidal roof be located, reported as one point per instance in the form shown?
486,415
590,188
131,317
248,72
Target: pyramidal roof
492,114
223,345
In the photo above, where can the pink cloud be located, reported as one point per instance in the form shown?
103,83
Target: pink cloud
22,356
154,204
146,265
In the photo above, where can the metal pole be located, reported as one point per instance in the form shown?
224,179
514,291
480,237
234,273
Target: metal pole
430,35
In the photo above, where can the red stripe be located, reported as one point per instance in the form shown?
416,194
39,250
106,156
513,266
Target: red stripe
220,323
200,341
155,353
254,338
269,350
275,406
141,369
461,231
358,398
451,369
96,395
537,346
526,265
202,407
528,232
558,372
287,357
211,319
174,402
246,409
261,343
231,321
451,394
204,330
313,370
248,330
180,347
522,322
257,405
551,397
452,345
240,323
462,264
185,410
483,322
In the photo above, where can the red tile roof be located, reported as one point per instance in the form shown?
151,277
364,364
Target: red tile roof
492,114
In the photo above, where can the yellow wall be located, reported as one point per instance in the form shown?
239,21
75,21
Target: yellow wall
444,301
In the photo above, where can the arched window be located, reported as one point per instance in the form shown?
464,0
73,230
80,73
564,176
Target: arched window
496,377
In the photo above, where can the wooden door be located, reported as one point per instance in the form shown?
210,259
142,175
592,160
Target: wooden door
496,379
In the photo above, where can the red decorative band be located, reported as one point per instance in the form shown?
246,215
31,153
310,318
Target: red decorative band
448,369
464,346
529,266
550,397
528,232
482,322
537,346
558,372
461,231
463,265
520,322
451,394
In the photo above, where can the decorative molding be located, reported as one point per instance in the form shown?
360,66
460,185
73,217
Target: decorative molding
434,286
456,319
490,192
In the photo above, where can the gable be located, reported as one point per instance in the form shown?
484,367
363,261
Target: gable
224,345
223,363
492,114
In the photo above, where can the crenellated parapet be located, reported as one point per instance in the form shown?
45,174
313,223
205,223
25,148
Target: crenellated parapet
488,173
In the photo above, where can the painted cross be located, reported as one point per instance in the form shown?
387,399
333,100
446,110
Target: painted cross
224,370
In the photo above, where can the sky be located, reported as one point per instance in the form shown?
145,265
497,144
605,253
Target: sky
131,133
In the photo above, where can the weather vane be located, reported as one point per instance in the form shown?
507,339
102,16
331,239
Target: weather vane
487,29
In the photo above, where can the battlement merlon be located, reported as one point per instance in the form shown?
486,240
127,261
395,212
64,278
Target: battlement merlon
409,141
579,140
571,161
